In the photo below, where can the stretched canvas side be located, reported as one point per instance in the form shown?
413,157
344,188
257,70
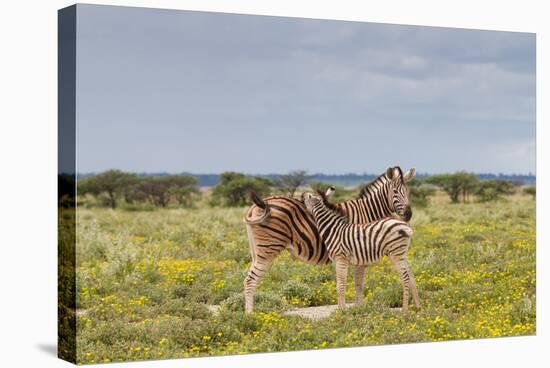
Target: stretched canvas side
66,184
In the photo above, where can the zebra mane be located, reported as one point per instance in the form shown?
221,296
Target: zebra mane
329,205
366,189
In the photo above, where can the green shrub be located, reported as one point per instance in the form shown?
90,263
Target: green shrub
263,301
182,308
419,194
297,293
181,290
531,190
492,190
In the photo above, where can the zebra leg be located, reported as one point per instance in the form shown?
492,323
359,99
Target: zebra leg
251,281
263,254
341,265
264,257
359,281
401,266
412,283
414,289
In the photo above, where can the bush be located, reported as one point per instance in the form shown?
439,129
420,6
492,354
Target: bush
492,190
297,293
263,301
531,190
181,290
181,308
419,194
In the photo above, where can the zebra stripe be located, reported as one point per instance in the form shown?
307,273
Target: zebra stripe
277,223
363,245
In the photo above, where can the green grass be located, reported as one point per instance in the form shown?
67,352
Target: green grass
144,279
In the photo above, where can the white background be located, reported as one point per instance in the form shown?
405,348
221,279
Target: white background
28,154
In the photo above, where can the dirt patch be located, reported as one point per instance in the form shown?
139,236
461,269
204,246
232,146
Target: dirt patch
312,313
213,308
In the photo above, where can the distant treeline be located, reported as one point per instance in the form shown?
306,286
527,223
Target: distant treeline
116,188
346,180
113,187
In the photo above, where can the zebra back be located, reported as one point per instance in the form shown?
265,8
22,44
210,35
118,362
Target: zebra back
289,226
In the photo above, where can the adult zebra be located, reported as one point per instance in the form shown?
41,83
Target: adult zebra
277,223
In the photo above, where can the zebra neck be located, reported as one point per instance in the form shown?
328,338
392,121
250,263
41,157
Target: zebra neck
380,200
373,203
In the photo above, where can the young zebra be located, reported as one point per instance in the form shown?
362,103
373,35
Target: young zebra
363,244
277,223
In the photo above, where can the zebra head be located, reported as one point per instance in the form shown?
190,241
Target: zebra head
311,200
398,193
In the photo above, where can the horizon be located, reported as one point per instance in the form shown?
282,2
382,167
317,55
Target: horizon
417,173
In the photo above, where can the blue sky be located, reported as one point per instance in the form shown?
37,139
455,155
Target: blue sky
175,91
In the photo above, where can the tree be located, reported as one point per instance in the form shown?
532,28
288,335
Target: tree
112,183
418,193
153,189
468,184
233,189
161,190
492,190
184,189
455,185
292,181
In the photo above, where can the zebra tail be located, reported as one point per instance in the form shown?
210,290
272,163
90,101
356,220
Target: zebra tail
251,244
255,198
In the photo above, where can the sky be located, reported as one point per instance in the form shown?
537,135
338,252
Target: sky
179,91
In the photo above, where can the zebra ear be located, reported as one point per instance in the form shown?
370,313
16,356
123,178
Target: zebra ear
396,172
329,191
389,173
393,173
409,174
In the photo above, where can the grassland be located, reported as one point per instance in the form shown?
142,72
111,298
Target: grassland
145,278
